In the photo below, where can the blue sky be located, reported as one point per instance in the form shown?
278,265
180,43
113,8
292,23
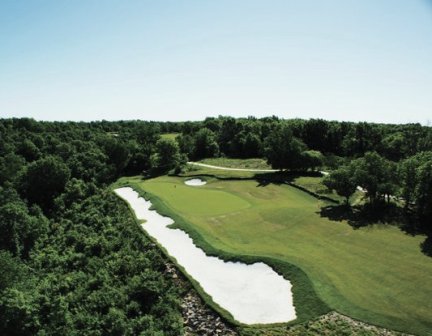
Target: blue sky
359,60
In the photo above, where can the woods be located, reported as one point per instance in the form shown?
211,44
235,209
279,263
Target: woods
73,259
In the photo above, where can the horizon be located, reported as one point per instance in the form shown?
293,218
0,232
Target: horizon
186,61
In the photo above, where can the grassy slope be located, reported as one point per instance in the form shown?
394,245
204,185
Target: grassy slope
314,184
376,274
238,163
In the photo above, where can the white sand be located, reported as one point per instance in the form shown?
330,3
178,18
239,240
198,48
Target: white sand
196,182
251,293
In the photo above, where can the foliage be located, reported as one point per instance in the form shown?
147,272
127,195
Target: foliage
283,150
342,181
43,180
167,155
82,266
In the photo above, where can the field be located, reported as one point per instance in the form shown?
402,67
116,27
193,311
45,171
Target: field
237,163
170,136
376,273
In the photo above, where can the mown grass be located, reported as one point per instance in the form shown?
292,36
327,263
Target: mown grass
308,305
375,273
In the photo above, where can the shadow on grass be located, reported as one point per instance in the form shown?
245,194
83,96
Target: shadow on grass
368,214
287,177
389,214
426,246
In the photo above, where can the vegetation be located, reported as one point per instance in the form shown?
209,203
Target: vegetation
72,259
71,256
237,163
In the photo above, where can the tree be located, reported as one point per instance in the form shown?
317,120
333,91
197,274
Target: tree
283,150
408,175
341,180
186,144
117,152
20,228
43,180
167,155
423,192
12,270
375,174
252,146
312,159
205,144
19,313
10,166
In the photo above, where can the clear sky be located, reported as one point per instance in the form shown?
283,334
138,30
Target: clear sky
185,60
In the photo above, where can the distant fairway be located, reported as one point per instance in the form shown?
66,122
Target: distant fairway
376,274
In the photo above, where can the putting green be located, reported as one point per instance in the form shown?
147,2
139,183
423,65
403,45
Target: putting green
376,273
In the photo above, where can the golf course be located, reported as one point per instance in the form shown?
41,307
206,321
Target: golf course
375,273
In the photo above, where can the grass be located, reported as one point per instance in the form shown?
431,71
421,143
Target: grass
171,136
238,163
375,273
315,185
191,171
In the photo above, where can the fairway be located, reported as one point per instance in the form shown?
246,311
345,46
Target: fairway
376,273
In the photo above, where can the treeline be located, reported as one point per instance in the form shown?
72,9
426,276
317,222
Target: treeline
243,138
72,259
386,161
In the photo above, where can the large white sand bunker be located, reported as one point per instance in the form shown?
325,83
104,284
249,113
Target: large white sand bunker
196,182
251,293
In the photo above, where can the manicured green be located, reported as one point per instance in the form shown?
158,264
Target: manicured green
376,273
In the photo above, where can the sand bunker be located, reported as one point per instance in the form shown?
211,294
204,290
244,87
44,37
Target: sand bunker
195,182
251,293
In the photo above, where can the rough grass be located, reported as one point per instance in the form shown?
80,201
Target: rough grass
376,273
238,163
172,136
190,171
315,185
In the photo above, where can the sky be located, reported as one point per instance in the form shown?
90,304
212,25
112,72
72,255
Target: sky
176,60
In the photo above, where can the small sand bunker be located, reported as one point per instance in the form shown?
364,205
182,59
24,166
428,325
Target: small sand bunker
196,182
251,293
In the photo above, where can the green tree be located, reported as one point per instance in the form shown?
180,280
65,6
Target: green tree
423,192
283,150
167,155
341,180
205,144
12,270
375,174
10,165
20,228
312,159
43,180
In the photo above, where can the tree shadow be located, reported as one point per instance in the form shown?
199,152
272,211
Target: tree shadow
389,214
368,214
426,246
282,177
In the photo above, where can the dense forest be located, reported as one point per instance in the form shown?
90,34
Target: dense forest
73,259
